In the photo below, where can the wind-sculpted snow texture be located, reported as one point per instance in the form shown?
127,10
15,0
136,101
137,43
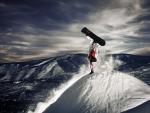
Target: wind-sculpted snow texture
24,84
53,68
106,91
138,66
32,86
101,93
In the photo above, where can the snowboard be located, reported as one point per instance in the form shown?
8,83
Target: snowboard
95,38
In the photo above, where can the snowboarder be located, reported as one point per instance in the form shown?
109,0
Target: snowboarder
92,52
92,56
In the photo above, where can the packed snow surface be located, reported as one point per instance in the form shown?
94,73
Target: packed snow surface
105,91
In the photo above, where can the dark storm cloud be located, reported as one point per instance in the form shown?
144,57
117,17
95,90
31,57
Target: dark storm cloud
36,28
45,14
145,4
27,26
9,39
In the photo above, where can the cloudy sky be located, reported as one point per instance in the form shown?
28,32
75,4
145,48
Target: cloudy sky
44,28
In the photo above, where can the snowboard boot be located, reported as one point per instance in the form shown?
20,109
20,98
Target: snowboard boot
91,71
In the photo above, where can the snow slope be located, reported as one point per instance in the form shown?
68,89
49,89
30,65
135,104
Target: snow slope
144,108
106,91
33,86
51,68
